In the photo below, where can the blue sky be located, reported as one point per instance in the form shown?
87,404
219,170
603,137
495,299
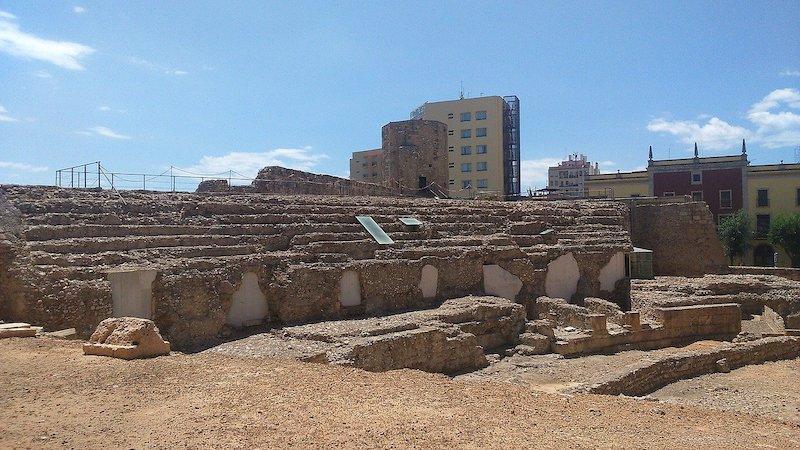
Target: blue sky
212,86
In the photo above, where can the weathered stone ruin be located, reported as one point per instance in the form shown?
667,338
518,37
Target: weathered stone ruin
415,156
682,234
463,284
280,180
760,295
198,264
601,327
449,339
126,338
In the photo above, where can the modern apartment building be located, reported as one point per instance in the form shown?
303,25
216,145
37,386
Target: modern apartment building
567,178
367,166
726,183
483,144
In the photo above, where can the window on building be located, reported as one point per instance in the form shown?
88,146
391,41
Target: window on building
762,224
480,115
374,174
483,183
466,116
365,175
449,115
697,177
481,166
466,150
480,132
449,132
763,197
451,165
697,196
480,149
725,199
451,182
466,167
466,133
669,194
466,184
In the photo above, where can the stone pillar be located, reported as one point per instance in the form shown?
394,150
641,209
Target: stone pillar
598,323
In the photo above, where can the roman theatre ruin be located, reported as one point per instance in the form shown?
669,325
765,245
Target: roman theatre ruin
360,276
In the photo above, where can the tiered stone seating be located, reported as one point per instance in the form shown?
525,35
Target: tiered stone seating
65,242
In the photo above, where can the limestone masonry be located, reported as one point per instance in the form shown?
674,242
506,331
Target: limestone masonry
458,286
198,263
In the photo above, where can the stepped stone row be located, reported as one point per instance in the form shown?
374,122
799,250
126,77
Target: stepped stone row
197,263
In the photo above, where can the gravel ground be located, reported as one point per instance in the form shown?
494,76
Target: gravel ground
52,396
770,389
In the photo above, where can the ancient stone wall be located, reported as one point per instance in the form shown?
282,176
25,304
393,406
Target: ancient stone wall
751,292
603,327
205,256
649,376
785,272
279,180
449,339
415,154
682,237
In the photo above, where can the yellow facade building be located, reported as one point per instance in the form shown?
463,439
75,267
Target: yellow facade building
482,144
618,185
771,190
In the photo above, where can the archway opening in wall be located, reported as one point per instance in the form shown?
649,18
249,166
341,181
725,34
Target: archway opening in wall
764,255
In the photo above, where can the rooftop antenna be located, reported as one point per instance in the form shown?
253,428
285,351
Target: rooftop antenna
462,89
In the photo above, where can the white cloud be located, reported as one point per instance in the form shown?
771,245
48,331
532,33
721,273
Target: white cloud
790,73
4,117
777,129
42,74
715,134
534,172
78,9
102,131
104,108
249,163
149,65
15,42
23,167
770,128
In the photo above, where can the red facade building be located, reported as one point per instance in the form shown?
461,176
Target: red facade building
716,180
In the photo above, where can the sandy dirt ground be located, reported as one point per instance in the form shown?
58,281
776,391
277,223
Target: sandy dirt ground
51,396
771,389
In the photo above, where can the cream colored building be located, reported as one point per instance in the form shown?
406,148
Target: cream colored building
367,166
482,144
618,185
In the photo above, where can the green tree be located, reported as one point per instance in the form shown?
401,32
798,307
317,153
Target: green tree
784,231
734,232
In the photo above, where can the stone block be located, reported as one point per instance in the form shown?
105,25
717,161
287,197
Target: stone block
126,338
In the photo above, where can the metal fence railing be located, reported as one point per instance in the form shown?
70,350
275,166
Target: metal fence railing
94,175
